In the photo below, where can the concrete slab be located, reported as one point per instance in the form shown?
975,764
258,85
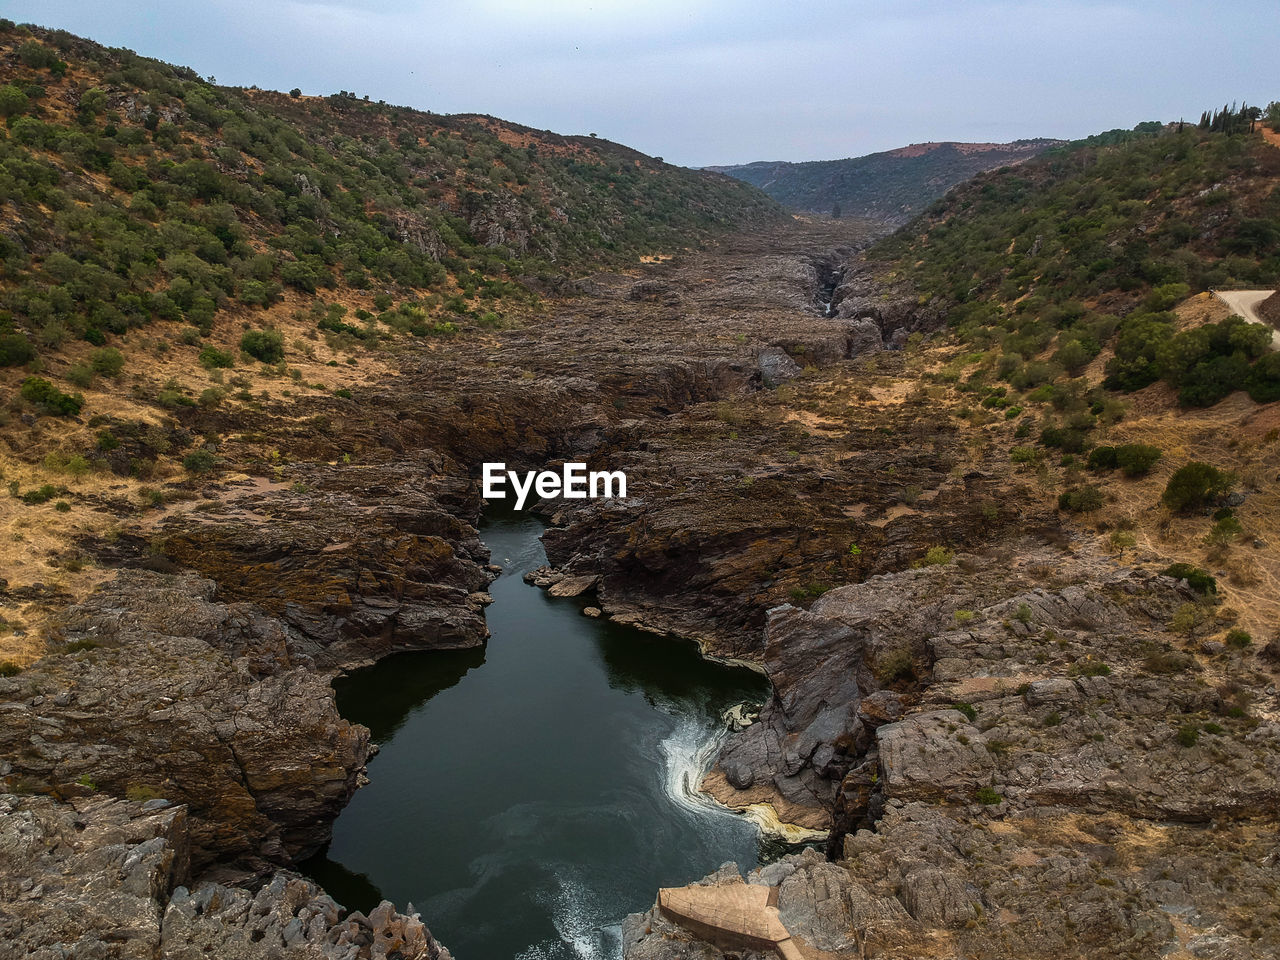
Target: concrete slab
733,915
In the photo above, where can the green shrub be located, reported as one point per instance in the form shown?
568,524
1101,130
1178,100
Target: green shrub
1213,379
42,494
1102,458
13,101
1075,355
895,664
1137,459
264,345
9,669
1093,668
211,397
50,399
211,358
1188,735
199,461
987,796
810,591
937,557
1196,485
1238,638
62,506
1081,500
1198,580
39,57
15,350
80,375
1264,379
1224,531
968,709
107,361
1066,439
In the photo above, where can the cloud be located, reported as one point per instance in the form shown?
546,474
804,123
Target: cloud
715,81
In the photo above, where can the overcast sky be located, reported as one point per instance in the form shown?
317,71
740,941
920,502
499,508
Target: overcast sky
712,81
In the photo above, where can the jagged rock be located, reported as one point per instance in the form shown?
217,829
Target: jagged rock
863,337
801,730
648,290
86,878
919,757
823,904
108,878
938,898
194,701
358,572
776,367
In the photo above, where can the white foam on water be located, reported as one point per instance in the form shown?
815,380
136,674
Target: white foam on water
576,914
687,756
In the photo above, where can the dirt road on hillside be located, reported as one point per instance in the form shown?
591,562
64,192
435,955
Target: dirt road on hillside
1245,303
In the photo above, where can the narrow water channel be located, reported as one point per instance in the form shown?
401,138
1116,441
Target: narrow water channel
528,796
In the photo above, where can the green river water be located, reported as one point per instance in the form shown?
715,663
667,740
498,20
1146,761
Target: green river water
531,794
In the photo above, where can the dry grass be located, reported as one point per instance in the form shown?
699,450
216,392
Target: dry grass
38,542
1233,435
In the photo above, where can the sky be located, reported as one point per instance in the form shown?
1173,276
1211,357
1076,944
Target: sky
702,82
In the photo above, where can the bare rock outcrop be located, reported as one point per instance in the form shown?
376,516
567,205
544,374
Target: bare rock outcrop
162,692
99,877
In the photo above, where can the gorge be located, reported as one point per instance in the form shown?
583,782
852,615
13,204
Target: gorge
528,797
977,518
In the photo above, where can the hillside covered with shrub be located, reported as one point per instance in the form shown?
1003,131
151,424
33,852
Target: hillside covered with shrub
1086,251
133,191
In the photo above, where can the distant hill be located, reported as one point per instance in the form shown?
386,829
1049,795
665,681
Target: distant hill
890,187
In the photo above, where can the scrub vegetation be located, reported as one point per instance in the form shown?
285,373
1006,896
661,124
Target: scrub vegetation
140,192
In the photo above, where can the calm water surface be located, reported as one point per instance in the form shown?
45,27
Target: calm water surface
529,795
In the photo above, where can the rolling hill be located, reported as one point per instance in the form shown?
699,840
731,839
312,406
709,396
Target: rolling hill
889,187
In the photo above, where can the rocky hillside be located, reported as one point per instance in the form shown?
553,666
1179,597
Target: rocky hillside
1270,309
1074,261
889,187
135,191
169,245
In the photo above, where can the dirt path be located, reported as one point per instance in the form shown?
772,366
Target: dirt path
1245,303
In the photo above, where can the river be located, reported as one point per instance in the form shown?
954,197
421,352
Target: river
531,794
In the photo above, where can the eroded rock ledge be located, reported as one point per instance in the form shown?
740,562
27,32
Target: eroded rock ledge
1036,795
108,878
166,693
